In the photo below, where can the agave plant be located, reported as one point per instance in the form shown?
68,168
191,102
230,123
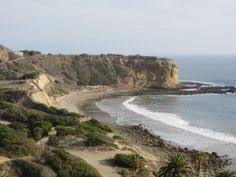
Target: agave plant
225,173
176,166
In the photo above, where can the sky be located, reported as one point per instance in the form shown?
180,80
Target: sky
149,27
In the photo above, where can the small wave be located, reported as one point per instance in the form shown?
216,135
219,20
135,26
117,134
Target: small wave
175,121
214,84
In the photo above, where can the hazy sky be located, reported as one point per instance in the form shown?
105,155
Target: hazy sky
150,27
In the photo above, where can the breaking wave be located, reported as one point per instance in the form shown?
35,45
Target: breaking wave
175,121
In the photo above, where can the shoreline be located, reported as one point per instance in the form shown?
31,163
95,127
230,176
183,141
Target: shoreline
85,102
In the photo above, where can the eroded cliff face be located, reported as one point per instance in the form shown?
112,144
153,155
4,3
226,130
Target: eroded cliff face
40,88
112,70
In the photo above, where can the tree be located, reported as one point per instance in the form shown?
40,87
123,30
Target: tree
176,166
200,159
225,173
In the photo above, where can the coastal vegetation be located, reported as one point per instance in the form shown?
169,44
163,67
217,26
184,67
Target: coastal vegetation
133,161
224,173
176,166
15,144
66,165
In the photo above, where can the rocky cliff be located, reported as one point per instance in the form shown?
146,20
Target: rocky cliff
113,70
72,71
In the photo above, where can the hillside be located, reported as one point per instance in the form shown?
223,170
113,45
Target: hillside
112,70
117,70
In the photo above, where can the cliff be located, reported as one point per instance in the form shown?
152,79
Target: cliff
111,70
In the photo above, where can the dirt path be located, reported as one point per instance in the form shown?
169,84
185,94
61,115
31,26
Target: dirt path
101,160
4,159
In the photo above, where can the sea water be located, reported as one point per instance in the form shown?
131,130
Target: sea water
204,122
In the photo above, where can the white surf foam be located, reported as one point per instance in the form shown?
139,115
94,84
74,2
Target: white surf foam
175,121
214,84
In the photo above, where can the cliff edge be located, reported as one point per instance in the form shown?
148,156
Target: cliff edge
111,70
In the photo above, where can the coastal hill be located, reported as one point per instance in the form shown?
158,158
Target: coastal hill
49,76
44,131
112,70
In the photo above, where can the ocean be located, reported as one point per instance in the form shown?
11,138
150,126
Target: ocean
203,122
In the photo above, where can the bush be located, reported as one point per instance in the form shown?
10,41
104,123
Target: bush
66,165
134,161
98,139
53,110
43,107
64,131
25,168
13,96
44,125
121,72
92,126
15,145
20,114
16,114
53,140
17,126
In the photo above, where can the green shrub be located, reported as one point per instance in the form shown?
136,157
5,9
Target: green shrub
44,125
7,75
133,161
14,144
126,173
53,110
121,72
18,126
16,114
31,75
13,96
98,139
43,107
25,168
94,126
53,140
3,104
66,165
64,131
20,114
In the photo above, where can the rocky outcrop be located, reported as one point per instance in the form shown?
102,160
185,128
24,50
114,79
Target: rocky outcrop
40,88
6,54
112,70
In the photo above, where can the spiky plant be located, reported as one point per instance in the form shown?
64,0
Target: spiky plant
225,173
176,166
